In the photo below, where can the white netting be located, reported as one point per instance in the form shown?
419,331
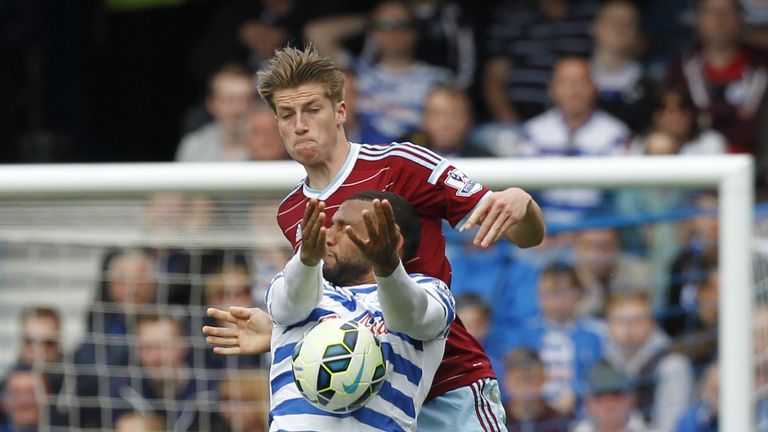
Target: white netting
74,252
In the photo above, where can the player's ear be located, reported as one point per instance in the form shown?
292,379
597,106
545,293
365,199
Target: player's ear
341,112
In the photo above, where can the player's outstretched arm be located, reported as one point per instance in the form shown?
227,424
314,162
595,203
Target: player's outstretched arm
251,335
292,298
406,306
512,213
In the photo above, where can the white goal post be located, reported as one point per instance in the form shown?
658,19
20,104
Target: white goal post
732,175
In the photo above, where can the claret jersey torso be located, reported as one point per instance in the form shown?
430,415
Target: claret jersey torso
437,190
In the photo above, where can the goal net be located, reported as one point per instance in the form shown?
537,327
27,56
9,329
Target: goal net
107,270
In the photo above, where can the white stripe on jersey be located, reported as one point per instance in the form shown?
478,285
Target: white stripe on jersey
411,364
403,154
441,167
297,204
416,151
421,149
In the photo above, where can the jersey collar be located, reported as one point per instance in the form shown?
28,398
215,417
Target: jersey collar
337,181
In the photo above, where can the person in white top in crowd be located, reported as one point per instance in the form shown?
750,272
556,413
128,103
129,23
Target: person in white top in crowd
231,95
573,127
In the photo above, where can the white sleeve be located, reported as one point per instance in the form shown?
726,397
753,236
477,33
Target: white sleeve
292,298
413,309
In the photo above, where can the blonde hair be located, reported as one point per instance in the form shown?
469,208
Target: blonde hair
628,297
292,67
150,422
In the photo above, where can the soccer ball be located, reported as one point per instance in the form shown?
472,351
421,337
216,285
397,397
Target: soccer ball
338,366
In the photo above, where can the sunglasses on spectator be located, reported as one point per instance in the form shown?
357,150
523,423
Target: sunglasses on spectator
385,24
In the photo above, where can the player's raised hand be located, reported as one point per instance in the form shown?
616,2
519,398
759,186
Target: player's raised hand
313,233
499,212
251,335
383,238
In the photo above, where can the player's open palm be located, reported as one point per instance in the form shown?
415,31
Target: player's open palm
313,233
251,333
383,238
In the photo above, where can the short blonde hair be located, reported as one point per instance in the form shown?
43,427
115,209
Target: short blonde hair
292,67
150,422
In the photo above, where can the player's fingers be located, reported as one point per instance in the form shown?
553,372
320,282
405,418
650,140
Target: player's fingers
388,215
309,210
222,341
227,351
321,239
508,222
355,238
478,215
221,315
220,331
485,227
369,226
240,312
496,231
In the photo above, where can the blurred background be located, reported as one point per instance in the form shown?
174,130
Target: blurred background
612,322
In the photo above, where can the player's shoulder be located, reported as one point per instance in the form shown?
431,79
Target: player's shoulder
400,154
295,195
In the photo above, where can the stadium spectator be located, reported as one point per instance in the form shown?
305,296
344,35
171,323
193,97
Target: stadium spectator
128,287
567,343
41,345
673,112
231,93
524,42
610,402
639,349
727,80
527,410
248,32
165,383
476,316
604,268
702,416
446,124
623,91
264,143
500,280
24,401
229,285
244,401
391,90
658,242
445,38
574,127
692,265
699,339
138,422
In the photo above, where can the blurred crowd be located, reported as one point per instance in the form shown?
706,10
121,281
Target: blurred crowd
610,328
